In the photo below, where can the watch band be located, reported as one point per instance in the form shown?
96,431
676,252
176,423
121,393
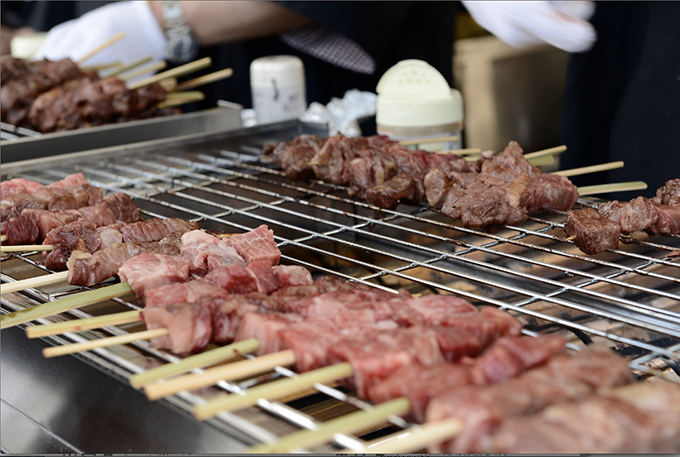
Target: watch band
183,44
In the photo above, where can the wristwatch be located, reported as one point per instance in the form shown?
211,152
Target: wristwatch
183,44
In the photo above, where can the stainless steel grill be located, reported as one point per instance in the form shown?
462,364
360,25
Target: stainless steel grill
627,298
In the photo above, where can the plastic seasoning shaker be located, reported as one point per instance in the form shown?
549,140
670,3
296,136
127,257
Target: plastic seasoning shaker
416,103
278,88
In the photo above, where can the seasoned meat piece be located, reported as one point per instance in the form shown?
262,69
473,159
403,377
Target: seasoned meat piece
99,215
257,244
189,326
669,194
18,186
509,163
331,163
48,220
20,230
638,214
439,309
310,339
207,252
264,328
13,205
593,233
668,220
388,194
294,156
489,324
227,314
89,269
189,292
509,356
123,208
375,167
156,229
439,180
549,191
78,235
150,271
292,275
73,180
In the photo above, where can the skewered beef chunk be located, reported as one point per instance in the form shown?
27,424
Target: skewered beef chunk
638,418
294,156
20,230
123,207
18,186
72,180
257,244
292,275
637,214
156,229
12,205
208,252
387,195
593,233
86,269
150,271
549,191
509,163
563,378
669,193
189,292
668,220
47,220
79,235
189,326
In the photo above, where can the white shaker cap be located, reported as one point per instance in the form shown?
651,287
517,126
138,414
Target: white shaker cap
414,94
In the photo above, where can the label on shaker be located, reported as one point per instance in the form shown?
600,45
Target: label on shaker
278,103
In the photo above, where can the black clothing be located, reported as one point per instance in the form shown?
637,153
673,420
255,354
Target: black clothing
622,98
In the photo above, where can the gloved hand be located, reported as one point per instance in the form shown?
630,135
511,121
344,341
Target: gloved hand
76,38
562,24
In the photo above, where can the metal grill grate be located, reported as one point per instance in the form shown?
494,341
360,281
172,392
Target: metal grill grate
11,132
627,298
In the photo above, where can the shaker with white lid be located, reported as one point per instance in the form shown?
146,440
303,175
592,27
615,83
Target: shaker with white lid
416,103
278,88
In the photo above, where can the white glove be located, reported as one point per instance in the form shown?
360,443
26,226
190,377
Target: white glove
562,24
78,37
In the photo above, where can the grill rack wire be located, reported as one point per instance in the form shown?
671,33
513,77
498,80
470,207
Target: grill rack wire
627,298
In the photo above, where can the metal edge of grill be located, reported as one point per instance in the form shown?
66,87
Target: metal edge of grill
628,298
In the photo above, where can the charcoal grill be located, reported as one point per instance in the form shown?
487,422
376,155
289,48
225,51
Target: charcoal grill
628,298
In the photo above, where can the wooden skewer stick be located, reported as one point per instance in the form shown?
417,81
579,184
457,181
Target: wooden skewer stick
105,66
614,187
27,248
3,238
44,280
205,79
349,423
546,152
412,440
182,98
175,72
63,304
229,372
146,69
571,238
590,169
430,140
272,390
79,325
103,46
103,342
195,361
130,66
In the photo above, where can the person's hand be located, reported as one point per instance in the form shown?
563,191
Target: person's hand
77,38
562,24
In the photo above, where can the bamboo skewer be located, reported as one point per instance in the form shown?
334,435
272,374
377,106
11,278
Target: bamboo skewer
350,423
461,152
238,370
412,440
195,361
63,304
205,79
104,342
590,169
181,98
614,187
146,69
78,325
272,390
546,152
129,66
105,66
44,280
175,72
27,248
101,47
3,238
